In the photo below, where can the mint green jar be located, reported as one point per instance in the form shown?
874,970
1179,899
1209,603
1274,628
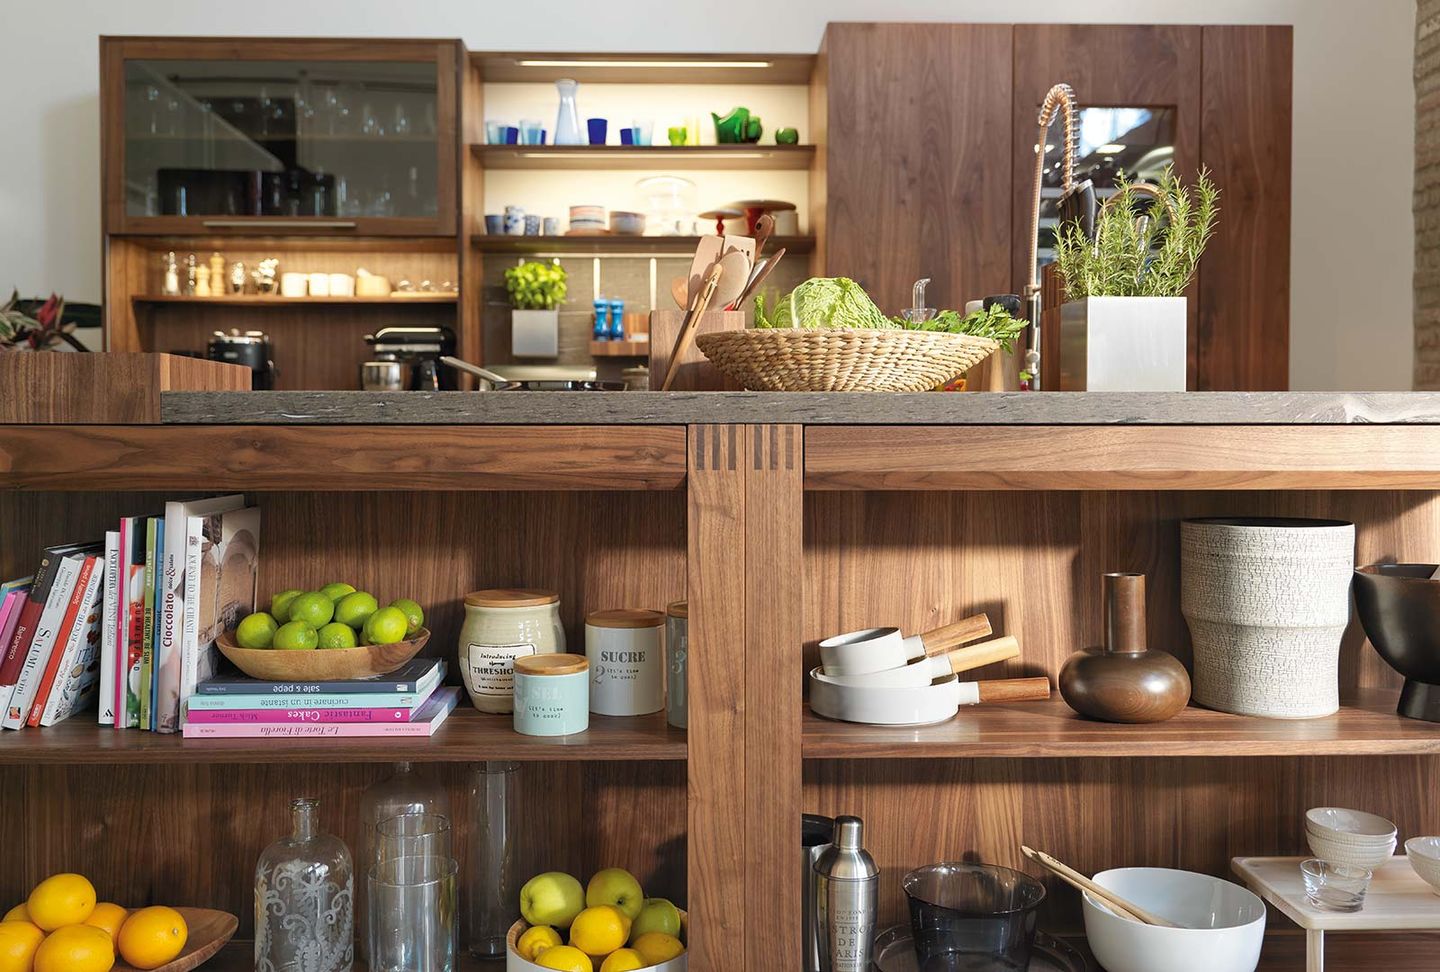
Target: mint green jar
552,695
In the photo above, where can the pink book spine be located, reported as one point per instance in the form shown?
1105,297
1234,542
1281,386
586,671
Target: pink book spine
194,730
296,717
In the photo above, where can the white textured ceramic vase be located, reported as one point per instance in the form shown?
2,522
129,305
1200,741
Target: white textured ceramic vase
1267,601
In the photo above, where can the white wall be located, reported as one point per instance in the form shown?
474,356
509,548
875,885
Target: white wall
1353,138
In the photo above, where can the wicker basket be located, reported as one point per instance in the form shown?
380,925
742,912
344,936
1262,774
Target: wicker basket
840,359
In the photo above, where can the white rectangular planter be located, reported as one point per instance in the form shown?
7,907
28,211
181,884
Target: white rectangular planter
535,333
1123,344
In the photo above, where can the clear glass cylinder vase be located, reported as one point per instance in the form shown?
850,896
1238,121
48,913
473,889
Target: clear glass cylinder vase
404,791
567,119
492,879
304,900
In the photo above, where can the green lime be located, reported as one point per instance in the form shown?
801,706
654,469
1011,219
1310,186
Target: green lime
337,590
413,615
354,609
280,604
295,636
385,627
336,635
256,631
314,608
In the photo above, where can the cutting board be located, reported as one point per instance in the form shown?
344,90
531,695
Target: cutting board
209,930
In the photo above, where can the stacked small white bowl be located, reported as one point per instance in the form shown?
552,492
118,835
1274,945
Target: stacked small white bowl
1349,836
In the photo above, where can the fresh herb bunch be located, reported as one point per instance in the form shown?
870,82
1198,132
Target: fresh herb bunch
994,322
535,286
1119,261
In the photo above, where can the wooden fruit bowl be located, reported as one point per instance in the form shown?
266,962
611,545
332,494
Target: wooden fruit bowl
322,664
209,930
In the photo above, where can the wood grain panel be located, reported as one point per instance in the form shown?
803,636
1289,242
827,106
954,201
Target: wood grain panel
1086,458
916,148
1108,66
696,372
191,834
362,458
104,388
1242,332
1095,814
716,682
774,622
1033,561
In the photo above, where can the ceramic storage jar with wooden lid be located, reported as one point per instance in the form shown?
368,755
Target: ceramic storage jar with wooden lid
627,661
677,650
500,626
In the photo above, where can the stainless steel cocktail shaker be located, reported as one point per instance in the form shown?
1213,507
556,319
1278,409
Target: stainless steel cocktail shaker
847,883
816,832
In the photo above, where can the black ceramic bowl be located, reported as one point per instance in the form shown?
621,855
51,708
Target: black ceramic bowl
1399,608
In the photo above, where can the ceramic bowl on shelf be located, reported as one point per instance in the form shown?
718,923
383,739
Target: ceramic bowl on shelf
1399,608
1224,923
514,963
1349,836
627,224
1424,856
321,664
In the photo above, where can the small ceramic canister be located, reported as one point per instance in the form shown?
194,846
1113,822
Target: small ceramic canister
677,647
627,665
294,284
552,695
342,285
500,626
514,221
319,285
551,226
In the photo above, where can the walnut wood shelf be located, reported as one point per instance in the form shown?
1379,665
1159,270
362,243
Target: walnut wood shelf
1366,725
620,349
616,245
365,458
630,67
667,157
467,735
261,300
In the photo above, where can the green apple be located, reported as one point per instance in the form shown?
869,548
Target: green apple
553,898
615,886
657,915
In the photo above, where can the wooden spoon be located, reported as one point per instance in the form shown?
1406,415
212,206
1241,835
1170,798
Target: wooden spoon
764,229
757,277
680,291
692,317
1121,907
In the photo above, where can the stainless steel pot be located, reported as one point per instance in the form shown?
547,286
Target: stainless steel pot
490,381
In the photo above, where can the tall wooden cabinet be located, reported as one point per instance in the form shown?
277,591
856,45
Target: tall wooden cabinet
928,134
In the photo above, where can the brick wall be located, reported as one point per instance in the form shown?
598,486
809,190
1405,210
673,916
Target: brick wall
1427,194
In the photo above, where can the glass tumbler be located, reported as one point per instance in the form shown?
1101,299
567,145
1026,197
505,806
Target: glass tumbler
972,916
412,914
1332,886
492,878
412,835
405,790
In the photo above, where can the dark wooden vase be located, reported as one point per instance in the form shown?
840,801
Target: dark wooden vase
1123,681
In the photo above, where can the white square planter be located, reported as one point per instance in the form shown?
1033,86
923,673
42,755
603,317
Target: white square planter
1123,344
535,333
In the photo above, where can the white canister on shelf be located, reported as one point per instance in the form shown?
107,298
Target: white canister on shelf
677,650
500,626
627,661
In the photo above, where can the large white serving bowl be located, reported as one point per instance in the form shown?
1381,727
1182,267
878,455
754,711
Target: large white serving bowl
1224,923
1424,855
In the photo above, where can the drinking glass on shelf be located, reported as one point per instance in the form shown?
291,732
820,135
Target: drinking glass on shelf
530,130
400,125
152,109
407,789
492,885
412,914
643,130
494,132
412,835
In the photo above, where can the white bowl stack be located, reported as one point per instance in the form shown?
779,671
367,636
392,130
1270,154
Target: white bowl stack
1424,855
1349,836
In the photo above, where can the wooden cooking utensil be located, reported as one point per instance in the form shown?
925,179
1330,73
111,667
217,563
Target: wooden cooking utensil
1015,689
925,670
1121,907
985,653
942,639
764,229
207,932
680,291
692,319
707,251
758,275
871,650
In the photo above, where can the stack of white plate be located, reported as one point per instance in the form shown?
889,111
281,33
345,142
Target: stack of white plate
1349,836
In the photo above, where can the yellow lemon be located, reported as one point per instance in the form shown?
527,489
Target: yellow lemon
535,940
566,959
152,936
109,916
599,930
18,942
657,947
75,948
61,899
623,960
17,913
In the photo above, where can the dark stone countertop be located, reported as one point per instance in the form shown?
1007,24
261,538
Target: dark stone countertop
684,408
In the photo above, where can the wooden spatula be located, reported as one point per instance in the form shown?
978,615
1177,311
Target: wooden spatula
711,280
707,251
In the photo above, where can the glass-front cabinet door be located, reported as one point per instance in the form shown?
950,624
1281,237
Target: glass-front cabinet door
280,136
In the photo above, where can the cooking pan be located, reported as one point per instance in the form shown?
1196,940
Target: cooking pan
877,649
490,381
926,670
915,705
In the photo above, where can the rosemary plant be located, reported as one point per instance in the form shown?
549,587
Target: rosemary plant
1119,262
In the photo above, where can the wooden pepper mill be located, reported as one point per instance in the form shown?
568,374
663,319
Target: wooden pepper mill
1123,681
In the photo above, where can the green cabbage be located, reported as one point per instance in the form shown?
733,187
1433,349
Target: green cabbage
824,302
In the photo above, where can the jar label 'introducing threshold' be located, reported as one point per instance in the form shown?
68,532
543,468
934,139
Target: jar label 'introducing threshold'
492,667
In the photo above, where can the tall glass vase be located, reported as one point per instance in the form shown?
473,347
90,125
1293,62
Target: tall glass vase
405,791
567,120
492,880
304,900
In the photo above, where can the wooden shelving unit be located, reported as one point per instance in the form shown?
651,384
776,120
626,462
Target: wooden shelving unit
614,244
639,68
620,349
662,157
275,300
